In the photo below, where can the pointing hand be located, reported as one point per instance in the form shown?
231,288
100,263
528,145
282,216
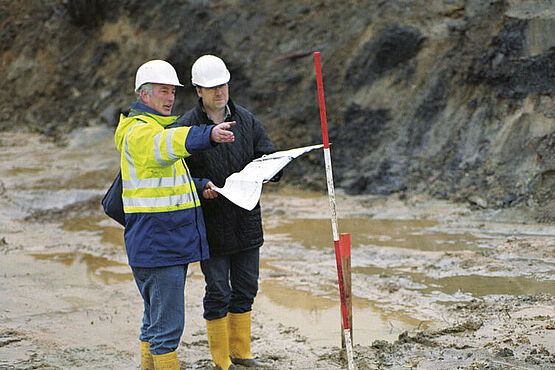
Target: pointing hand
220,133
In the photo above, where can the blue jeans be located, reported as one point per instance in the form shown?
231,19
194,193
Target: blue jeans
231,283
163,292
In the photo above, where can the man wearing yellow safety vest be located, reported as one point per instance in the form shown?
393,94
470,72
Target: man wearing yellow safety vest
164,229
234,234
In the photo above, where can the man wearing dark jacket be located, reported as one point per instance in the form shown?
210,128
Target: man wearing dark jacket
234,234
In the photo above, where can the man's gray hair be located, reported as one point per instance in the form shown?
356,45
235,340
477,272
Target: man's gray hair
148,87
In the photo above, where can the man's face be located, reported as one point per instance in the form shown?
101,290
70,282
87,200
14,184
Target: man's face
162,98
214,98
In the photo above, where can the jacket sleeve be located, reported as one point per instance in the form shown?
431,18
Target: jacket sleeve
152,146
200,184
197,138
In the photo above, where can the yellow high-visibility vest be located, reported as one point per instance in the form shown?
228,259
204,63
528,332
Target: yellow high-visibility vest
154,176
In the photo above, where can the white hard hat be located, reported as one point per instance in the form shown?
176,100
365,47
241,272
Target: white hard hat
157,72
209,71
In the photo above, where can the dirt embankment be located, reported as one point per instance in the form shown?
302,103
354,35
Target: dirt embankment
449,98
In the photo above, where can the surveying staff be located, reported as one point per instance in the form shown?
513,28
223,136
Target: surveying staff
234,234
164,229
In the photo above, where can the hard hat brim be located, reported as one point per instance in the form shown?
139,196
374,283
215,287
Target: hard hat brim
213,83
158,83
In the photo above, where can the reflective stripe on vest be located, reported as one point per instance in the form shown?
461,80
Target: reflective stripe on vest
174,200
169,147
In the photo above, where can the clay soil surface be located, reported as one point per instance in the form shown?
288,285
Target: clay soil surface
69,300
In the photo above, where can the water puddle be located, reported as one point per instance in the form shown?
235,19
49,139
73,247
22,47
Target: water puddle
97,269
319,318
410,234
110,232
480,286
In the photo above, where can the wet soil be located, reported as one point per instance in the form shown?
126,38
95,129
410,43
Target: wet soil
435,284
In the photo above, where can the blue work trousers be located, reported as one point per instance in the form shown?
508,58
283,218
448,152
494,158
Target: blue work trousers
231,283
163,292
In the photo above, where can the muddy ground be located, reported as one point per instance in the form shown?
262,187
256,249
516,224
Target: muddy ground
483,298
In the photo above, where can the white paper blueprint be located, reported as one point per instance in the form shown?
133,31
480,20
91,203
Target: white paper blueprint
243,188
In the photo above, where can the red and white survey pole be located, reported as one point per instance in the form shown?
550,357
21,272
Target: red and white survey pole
331,193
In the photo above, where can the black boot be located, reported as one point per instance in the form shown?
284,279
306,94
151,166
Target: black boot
248,362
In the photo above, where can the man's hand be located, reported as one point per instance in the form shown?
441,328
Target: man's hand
220,133
208,192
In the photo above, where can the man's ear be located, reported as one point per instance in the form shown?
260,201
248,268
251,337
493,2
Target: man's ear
199,91
144,95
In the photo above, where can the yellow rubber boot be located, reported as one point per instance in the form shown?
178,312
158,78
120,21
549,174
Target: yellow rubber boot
240,341
167,361
240,335
147,362
218,343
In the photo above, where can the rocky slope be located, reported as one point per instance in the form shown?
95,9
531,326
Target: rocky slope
449,97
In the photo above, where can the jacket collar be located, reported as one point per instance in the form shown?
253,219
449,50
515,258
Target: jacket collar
141,108
230,110
138,108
